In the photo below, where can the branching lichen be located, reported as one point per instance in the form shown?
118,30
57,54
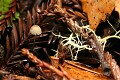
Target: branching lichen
73,42
103,41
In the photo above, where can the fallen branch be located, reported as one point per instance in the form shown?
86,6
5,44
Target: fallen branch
44,64
92,39
113,65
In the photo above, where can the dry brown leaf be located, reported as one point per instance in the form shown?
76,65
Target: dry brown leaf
117,6
97,10
81,72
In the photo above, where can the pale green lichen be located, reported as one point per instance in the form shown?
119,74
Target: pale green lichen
103,41
74,41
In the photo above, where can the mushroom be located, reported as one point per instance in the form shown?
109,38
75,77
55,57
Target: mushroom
35,30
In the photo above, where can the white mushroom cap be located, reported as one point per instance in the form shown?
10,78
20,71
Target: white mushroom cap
35,30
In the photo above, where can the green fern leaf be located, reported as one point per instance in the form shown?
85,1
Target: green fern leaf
7,1
4,7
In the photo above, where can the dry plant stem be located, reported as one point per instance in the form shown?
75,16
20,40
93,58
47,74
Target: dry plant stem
66,74
59,2
93,42
37,2
22,42
81,67
8,76
113,65
42,63
92,39
98,48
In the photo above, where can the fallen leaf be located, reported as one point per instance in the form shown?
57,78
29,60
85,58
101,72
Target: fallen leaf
97,10
82,72
117,6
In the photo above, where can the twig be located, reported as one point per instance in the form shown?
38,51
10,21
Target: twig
92,39
81,67
113,65
44,64
66,74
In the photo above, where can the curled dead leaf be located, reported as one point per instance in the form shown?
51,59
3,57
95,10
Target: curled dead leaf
117,6
97,10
